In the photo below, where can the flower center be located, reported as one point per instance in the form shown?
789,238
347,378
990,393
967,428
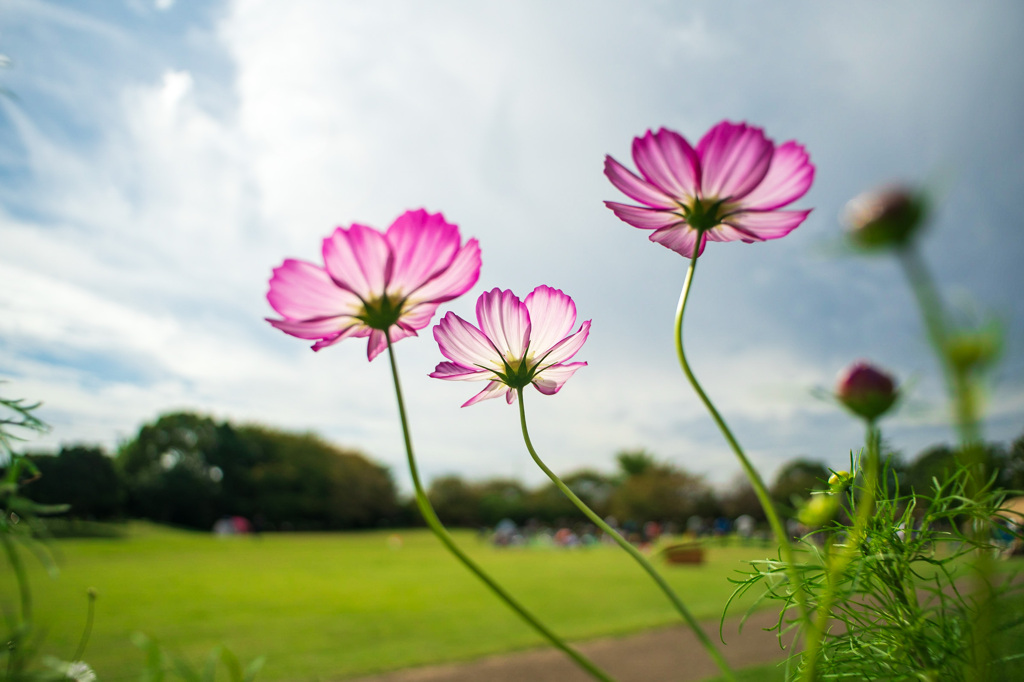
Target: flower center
381,313
704,214
518,372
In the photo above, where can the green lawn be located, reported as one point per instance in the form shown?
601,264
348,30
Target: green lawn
336,605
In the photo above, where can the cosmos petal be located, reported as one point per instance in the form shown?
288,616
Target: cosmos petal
645,218
422,245
767,225
505,321
734,158
567,347
303,290
465,345
669,163
455,372
789,177
552,315
553,378
681,239
634,187
493,390
358,259
458,278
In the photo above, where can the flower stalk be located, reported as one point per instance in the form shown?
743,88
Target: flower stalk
678,603
755,479
838,563
435,525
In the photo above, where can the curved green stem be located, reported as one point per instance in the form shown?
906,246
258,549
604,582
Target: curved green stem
963,394
87,632
755,479
446,539
630,549
837,566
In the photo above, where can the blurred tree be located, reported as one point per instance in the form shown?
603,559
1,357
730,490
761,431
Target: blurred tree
740,499
82,476
594,488
502,498
189,470
796,480
634,462
456,502
661,492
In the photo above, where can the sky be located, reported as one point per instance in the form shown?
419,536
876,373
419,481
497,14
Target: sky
158,159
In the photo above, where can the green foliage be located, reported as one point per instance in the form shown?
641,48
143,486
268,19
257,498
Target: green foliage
82,477
188,470
158,663
661,492
338,605
796,480
897,613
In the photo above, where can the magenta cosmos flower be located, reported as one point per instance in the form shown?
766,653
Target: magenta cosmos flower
517,343
374,282
730,187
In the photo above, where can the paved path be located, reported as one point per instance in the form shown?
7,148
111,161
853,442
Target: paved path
669,654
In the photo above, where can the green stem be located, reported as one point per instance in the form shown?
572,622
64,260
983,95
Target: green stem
755,479
22,630
446,539
865,510
965,413
630,549
87,632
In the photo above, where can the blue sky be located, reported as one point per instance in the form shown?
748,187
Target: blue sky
158,159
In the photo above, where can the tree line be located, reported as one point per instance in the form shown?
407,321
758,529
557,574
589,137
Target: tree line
190,470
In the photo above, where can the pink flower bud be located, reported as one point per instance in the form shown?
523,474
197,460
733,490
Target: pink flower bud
866,390
887,217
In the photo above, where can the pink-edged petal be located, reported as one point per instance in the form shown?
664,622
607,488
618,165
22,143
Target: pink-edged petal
734,159
553,378
505,321
668,162
454,372
645,218
317,328
634,187
460,276
680,238
352,332
552,315
301,290
358,259
727,233
789,177
418,316
422,246
768,225
465,345
379,341
567,347
493,390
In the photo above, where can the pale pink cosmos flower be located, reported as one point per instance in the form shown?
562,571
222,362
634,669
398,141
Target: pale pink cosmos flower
517,343
730,187
374,282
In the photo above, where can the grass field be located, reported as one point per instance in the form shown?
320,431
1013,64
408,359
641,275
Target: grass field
327,606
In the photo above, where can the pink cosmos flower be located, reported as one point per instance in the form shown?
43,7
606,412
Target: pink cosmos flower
730,187
517,343
374,282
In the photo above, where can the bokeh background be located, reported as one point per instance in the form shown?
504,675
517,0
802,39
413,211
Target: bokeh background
158,159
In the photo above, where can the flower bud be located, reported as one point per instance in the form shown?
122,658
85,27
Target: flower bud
866,390
839,481
818,510
971,350
887,217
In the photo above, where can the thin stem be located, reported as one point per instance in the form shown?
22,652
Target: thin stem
752,475
22,630
962,393
87,632
446,539
865,510
630,549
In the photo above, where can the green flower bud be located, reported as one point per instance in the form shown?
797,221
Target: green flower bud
818,510
885,218
839,481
